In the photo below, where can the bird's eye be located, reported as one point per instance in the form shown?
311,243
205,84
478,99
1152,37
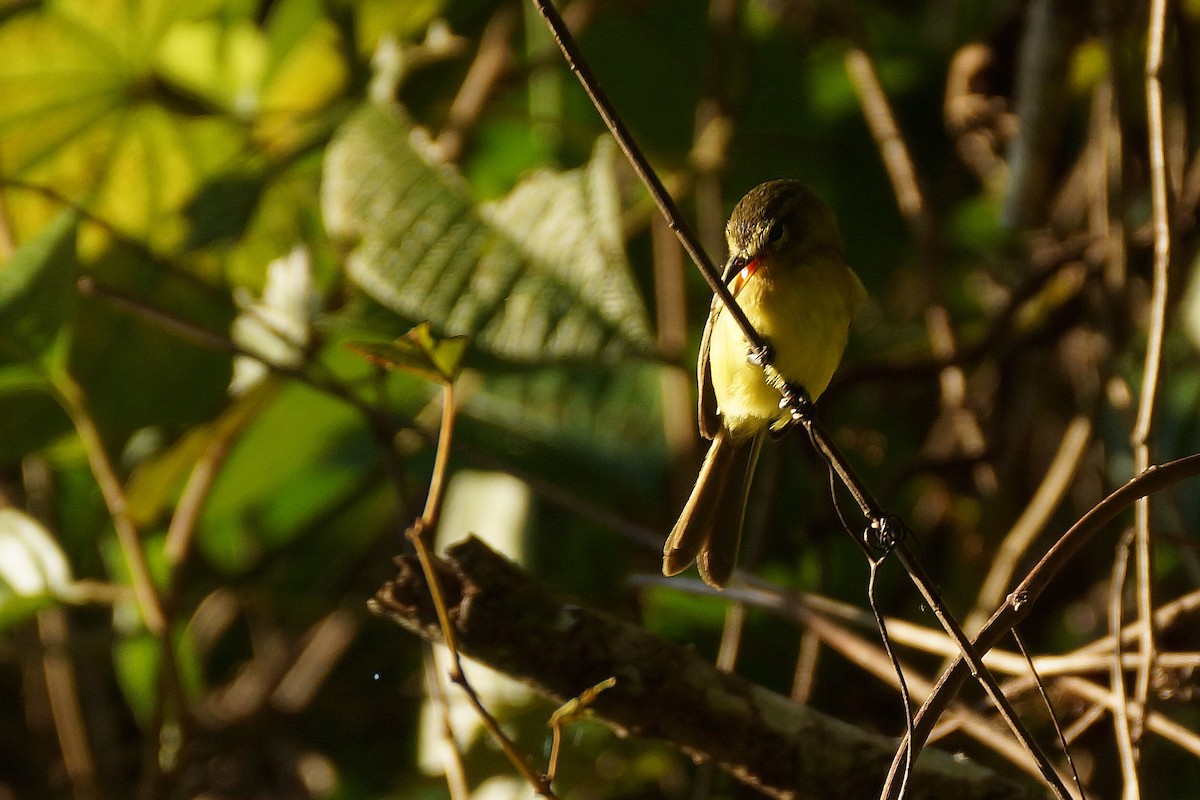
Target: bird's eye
775,233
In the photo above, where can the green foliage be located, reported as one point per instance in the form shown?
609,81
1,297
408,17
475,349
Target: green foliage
37,290
537,277
280,264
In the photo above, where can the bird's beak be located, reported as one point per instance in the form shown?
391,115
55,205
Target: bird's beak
743,277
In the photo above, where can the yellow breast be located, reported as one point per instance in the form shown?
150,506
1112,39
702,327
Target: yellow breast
806,318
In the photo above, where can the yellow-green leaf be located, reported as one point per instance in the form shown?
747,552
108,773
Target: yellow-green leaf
418,352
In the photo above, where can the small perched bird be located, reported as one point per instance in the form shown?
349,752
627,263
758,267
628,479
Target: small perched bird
787,271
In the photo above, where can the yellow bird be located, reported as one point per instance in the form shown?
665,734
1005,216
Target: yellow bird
787,270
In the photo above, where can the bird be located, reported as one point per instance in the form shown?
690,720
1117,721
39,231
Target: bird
788,272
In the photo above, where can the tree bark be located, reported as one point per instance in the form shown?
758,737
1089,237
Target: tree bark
515,625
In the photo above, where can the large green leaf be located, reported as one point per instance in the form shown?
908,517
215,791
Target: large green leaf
36,289
538,277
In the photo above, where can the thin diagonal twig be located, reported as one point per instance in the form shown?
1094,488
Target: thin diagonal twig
1041,687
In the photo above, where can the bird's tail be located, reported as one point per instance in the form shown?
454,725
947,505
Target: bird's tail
710,526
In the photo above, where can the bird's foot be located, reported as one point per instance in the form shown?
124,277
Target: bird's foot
796,401
761,356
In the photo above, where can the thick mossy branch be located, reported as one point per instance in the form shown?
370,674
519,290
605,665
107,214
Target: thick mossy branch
519,627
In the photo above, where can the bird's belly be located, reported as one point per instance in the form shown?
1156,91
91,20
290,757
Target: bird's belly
806,325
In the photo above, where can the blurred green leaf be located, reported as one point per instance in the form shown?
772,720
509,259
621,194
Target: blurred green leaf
155,484
36,289
597,431
136,374
302,456
537,277
136,658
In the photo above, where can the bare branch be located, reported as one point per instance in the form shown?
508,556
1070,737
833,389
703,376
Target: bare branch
513,624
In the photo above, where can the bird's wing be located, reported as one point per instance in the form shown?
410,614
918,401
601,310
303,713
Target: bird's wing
708,415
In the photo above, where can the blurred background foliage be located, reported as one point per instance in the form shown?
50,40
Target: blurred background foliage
184,185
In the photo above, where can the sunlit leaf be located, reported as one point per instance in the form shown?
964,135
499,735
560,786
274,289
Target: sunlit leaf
276,327
33,568
301,457
36,289
31,562
87,115
379,18
537,277
418,352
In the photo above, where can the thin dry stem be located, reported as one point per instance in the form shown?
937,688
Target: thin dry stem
415,535
1151,367
456,774
872,658
731,637
573,709
73,402
63,694
888,138
491,61
1156,723
1123,729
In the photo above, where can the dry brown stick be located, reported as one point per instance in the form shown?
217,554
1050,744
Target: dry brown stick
889,141
416,535
871,658
891,533
1021,601
1157,723
456,774
58,668
897,161
1123,730
827,619
459,677
73,401
491,60
1150,377
1092,657
513,624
